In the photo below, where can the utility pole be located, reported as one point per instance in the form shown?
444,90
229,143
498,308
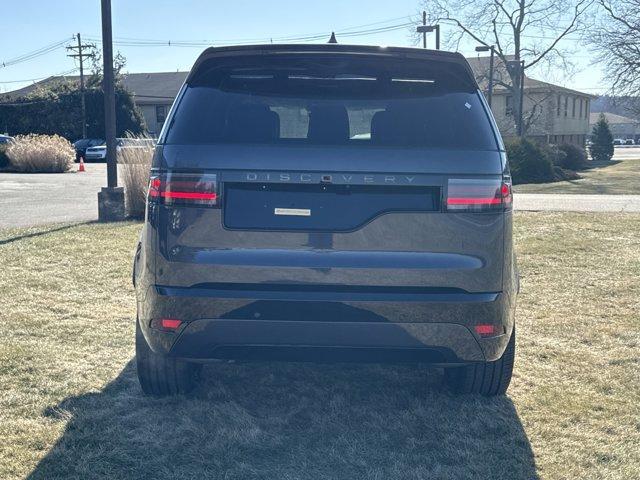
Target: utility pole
492,49
520,115
424,29
111,198
81,56
516,71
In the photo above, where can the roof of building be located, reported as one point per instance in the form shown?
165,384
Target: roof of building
612,118
480,67
155,87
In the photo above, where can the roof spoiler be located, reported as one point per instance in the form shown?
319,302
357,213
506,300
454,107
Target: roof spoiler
270,49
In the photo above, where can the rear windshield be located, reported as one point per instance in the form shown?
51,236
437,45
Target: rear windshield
332,101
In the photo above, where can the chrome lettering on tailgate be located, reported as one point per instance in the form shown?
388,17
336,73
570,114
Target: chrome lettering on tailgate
298,212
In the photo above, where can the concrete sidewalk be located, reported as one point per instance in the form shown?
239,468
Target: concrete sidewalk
576,203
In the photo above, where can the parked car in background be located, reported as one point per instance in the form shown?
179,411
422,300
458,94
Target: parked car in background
99,152
629,141
331,203
5,139
84,143
618,141
136,142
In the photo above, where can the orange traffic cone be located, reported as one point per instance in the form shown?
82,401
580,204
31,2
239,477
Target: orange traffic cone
81,166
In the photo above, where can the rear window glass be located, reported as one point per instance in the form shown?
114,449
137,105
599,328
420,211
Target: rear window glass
333,102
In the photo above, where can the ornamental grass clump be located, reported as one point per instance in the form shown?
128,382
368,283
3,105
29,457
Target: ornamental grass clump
40,154
135,155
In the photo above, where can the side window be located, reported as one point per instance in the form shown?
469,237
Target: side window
573,110
559,105
566,106
508,105
161,114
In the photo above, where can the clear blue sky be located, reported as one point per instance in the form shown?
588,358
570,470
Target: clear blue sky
28,25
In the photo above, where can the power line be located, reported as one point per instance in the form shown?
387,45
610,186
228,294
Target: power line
34,54
61,74
204,42
348,32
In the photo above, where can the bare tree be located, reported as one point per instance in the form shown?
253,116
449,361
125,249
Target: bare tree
119,62
617,41
531,31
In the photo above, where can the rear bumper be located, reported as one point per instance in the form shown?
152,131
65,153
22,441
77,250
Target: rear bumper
436,342
432,326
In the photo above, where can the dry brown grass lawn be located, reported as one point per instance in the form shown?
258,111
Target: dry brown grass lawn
70,406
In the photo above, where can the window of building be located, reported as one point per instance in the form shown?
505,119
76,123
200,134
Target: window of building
559,105
508,105
580,107
566,106
573,108
586,108
161,114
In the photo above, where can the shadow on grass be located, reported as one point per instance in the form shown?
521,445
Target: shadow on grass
275,421
593,164
4,241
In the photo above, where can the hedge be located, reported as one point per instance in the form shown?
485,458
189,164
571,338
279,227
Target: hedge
529,162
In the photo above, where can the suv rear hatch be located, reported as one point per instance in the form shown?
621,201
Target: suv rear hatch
348,170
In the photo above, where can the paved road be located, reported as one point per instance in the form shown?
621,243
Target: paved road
36,199
626,152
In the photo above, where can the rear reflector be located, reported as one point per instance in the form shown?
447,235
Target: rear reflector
478,194
170,323
485,330
166,324
184,189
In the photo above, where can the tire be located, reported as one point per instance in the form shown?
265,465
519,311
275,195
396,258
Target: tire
484,378
160,375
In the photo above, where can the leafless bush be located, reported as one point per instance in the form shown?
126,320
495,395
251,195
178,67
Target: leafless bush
41,153
135,156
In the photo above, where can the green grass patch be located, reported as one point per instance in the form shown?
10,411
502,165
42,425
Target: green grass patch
618,177
70,405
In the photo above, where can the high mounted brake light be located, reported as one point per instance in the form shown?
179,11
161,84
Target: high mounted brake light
184,189
479,195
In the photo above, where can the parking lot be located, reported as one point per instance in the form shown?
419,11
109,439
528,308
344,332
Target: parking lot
37,199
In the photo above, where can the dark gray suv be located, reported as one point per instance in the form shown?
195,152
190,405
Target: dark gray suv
328,203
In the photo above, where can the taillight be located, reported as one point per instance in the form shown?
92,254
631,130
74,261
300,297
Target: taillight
478,195
184,189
